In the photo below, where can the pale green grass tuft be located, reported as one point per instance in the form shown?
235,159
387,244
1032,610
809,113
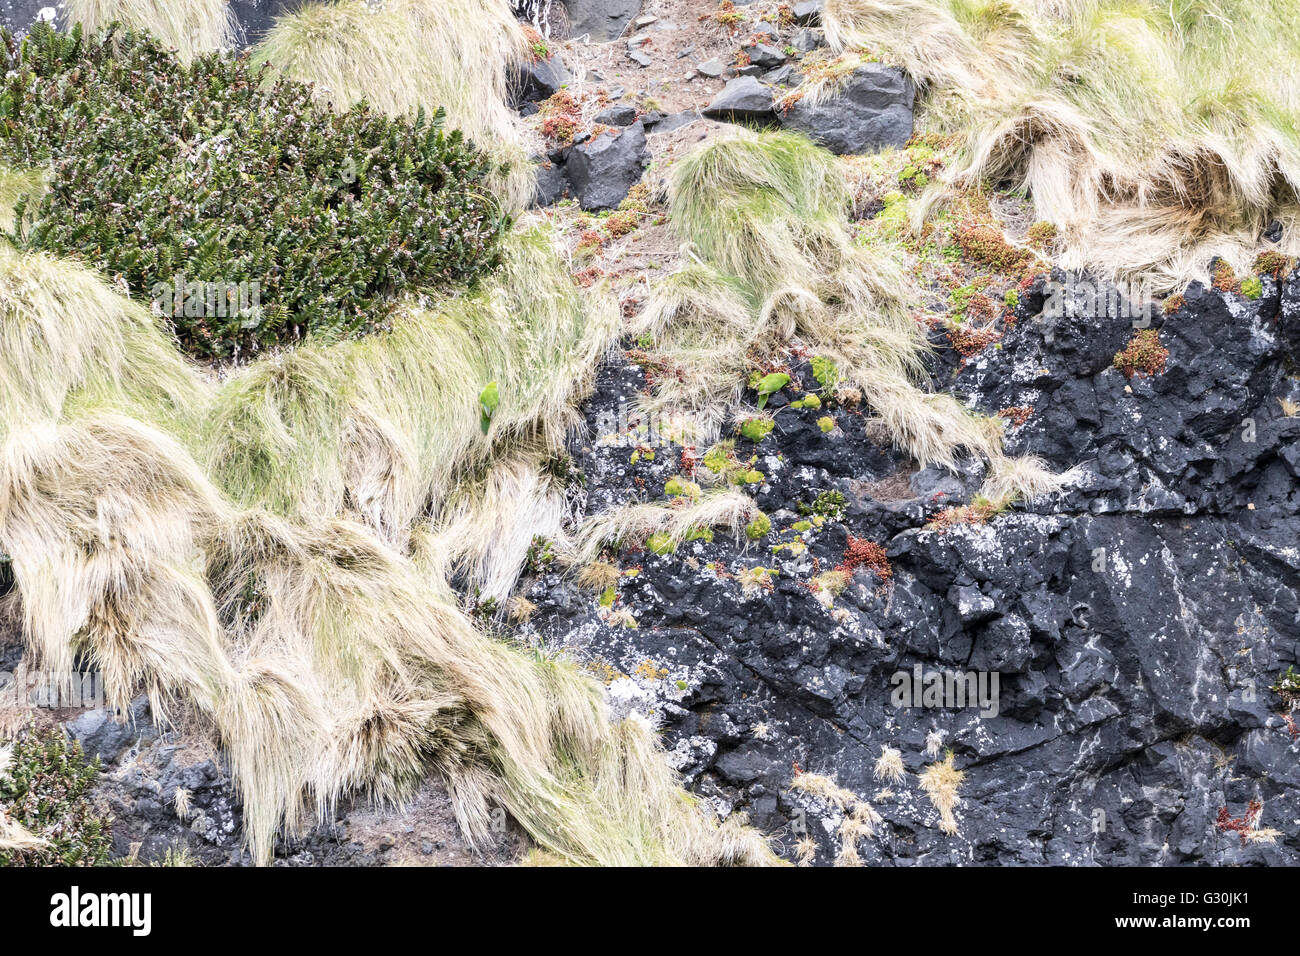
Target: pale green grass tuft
767,213
407,55
1144,131
191,27
69,342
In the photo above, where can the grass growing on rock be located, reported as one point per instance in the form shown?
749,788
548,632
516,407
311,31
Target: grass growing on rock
1209,153
412,55
774,262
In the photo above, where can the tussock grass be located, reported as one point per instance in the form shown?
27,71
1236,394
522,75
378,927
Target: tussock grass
384,427
767,216
14,184
69,342
675,520
1144,131
16,838
239,553
889,765
941,781
458,56
1022,479
191,27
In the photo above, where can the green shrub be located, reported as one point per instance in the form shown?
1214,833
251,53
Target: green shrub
46,790
211,175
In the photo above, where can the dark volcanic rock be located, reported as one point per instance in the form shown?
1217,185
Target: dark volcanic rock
552,184
619,114
19,15
255,17
743,98
603,19
104,733
602,169
539,79
870,111
1135,622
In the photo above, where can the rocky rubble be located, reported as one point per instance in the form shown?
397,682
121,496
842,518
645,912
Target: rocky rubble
1136,622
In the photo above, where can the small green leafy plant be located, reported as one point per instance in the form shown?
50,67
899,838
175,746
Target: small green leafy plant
46,790
182,178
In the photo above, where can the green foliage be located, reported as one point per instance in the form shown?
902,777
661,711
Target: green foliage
540,556
46,790
759,527
824,370
1252,288
756,429
677,486
166,174
661,542
829,504
488,400
1287,686
769,385
826,423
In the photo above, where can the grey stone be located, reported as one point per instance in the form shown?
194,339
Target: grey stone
551,184
537,80
19,16
676,121
808,12
805,41
781,74
101,733
711,68
602,170
638,57
742,98
764,56
870,111
619,114
601,19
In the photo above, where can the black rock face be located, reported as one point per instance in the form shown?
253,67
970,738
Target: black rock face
601,19
539,79
1135,622
871,110
602,169
255,17
18,16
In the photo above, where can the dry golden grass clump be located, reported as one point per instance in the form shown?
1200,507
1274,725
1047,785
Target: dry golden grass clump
889,765
940,781
268,557
191,27
406,55
1145,132
859,822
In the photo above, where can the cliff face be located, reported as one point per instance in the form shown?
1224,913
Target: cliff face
1135,623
